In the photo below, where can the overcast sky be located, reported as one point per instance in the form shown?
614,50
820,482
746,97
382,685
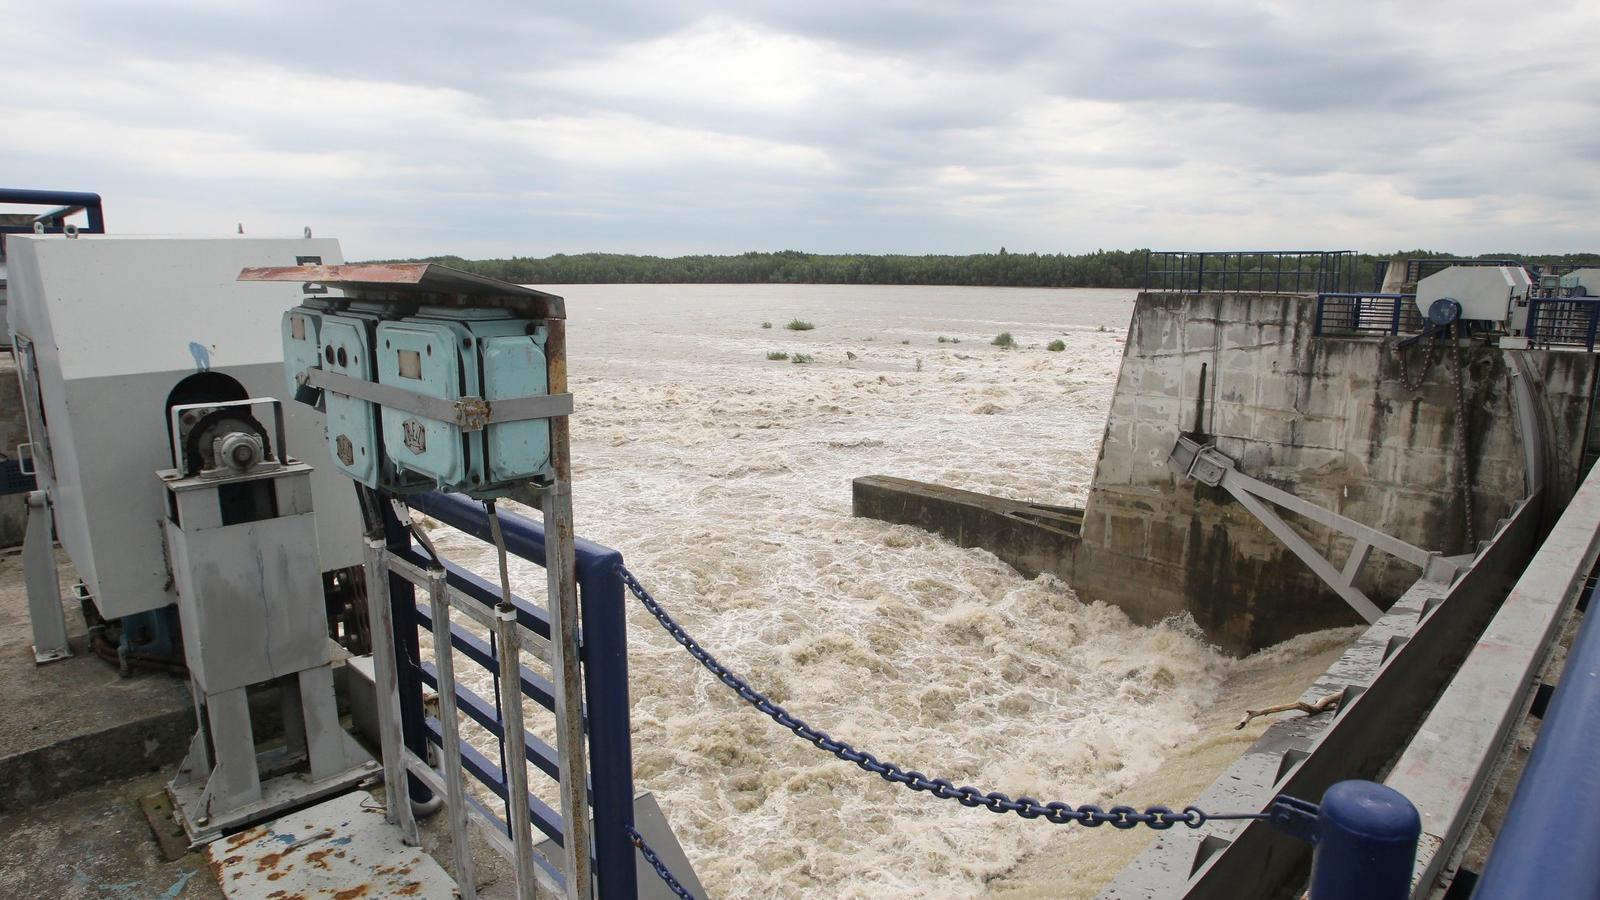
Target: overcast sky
412,128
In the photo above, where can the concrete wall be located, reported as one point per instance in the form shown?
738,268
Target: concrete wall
1327,419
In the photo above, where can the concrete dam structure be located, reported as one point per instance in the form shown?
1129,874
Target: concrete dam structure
1299,396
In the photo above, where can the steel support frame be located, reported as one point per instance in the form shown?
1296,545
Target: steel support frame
1206,464
45,613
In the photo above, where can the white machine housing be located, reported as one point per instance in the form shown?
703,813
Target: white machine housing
1586,279
1486,293
106,327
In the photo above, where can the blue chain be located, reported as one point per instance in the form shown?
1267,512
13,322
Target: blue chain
1123,817
655,862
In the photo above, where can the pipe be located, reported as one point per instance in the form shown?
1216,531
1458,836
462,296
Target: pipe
88,202
1545,846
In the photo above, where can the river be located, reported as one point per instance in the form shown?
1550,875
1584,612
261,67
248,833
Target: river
724,479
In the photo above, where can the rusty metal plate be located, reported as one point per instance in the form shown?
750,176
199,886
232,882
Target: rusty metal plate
341,849
447,286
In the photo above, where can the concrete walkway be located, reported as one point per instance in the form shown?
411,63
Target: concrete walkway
96,845
76,723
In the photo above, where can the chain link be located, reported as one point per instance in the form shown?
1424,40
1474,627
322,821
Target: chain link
664,873
1461,474
1121,817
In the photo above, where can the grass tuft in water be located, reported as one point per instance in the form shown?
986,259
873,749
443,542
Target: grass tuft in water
1056,346
1004,340
777,354
800,359
799,325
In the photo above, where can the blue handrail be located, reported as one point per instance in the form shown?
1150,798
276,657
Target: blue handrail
68,202
604,652
1546,844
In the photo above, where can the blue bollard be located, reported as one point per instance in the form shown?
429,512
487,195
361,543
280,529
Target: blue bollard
1366,840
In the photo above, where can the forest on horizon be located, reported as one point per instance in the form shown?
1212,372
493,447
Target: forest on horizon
1101,268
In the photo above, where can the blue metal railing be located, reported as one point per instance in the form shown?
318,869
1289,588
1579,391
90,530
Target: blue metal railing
1563,322
1541,850
1257,271
603,653
66,203
1367,313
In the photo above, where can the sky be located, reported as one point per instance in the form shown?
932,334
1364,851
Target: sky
493,129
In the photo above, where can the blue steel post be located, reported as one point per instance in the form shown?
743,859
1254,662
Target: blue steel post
1366,843
1594,317
605,658
1322,302
407,651
1394,324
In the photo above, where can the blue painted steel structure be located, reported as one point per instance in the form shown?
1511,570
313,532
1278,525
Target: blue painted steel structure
1367,313
1546,844
604,654
1563,322
67,203
1260,271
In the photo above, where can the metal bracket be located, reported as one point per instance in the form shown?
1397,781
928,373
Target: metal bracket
1208,465
467,413
48,619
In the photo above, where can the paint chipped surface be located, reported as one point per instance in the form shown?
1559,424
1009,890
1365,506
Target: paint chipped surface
342,849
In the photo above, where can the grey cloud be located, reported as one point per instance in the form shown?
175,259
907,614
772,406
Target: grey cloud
1038,125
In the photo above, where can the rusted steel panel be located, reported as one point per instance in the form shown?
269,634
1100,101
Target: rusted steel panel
445,285
339,849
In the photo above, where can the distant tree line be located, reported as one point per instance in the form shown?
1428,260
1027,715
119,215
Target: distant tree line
1102,268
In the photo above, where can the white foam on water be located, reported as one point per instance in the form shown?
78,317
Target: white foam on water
724,479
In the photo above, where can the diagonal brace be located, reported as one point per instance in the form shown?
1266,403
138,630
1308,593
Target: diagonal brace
1206,464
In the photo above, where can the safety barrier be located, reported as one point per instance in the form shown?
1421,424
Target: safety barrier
1563,322
1259,271
521,627
1530,858
1358,313
54,221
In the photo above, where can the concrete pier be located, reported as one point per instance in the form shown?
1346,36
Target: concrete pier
1328,419
1029,537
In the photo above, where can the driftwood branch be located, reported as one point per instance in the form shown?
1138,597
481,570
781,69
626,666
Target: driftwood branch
1321,706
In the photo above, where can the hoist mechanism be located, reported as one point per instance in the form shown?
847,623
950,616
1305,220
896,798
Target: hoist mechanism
1443,314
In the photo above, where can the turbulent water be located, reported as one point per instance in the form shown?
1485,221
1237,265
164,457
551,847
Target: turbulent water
724,479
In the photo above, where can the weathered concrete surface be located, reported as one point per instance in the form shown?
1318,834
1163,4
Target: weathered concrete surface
1327,419
94,845
1030,537
13,431
76,723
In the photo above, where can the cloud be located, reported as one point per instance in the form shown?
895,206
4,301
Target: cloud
481,128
